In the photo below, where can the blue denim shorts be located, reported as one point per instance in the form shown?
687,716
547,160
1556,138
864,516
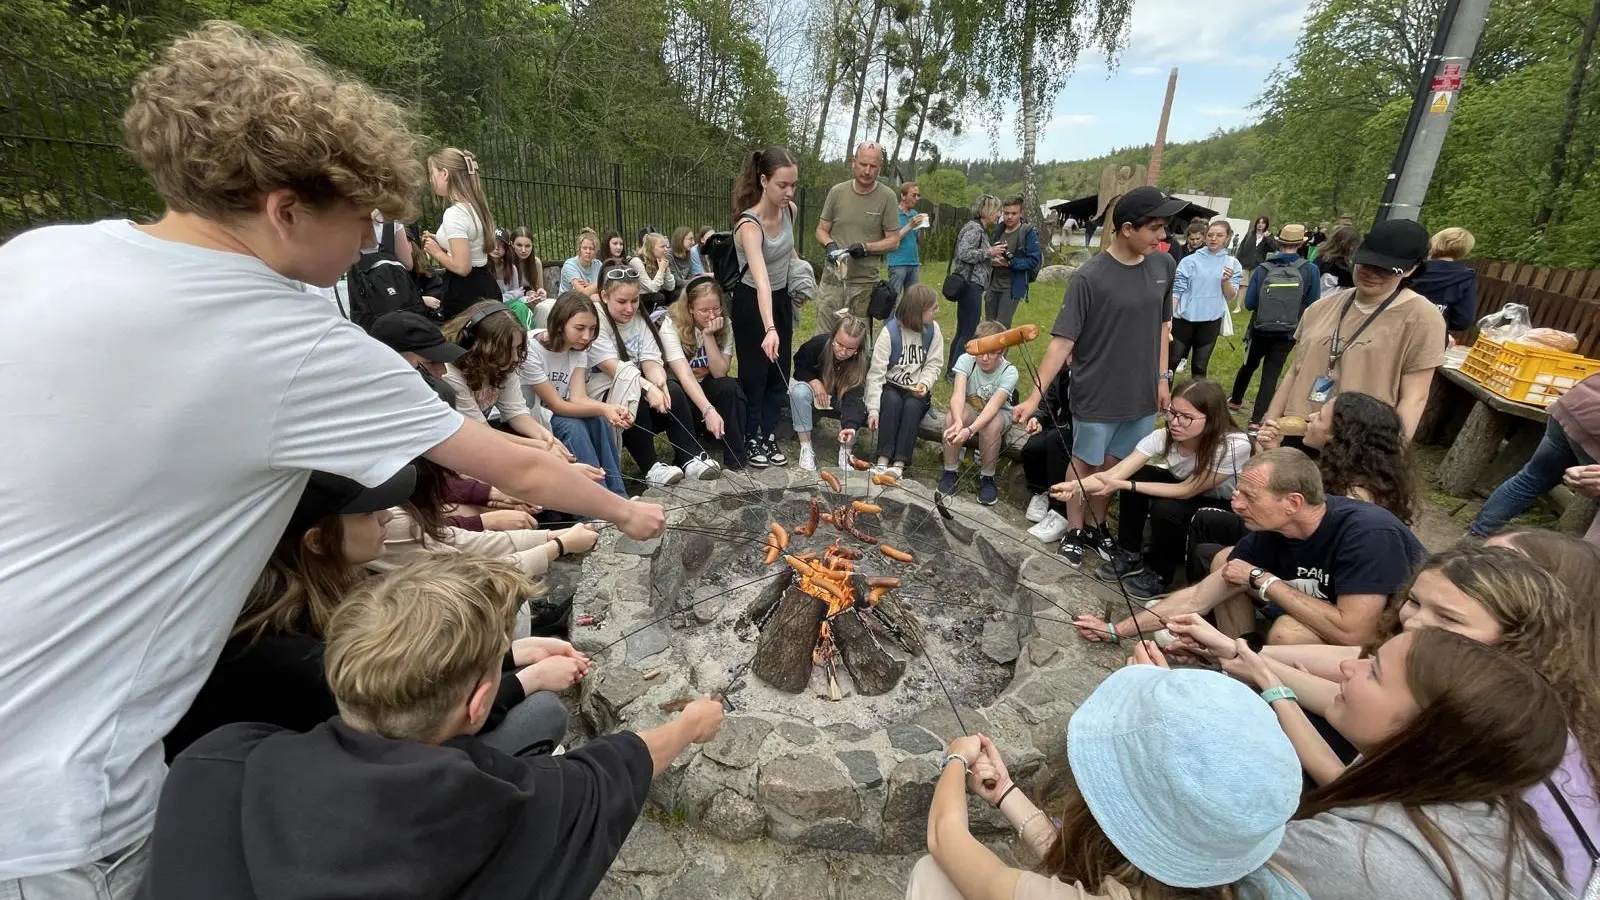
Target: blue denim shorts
1092,442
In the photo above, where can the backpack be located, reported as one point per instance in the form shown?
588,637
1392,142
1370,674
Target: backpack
1282,297
721,256
379,284
894,340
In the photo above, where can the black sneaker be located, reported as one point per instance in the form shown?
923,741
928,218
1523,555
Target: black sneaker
1122,565
947,482
1145,585
774,455
988,491
1073,547
755,454
1102,543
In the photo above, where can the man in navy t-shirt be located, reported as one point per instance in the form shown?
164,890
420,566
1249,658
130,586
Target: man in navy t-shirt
1319,568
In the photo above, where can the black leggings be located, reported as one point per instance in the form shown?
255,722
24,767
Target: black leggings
1169,522
765,382
1271,349
686,426
1209,532
1044,462
899,414
1200,337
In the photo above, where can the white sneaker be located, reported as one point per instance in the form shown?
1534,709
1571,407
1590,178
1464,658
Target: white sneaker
897,471
702,469
661,475
844,459
1051,529
1038,506
808,458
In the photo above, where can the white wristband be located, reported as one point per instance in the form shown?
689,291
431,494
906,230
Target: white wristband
1267,582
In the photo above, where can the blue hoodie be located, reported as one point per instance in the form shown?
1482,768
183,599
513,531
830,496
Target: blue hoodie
1197,289
1452,286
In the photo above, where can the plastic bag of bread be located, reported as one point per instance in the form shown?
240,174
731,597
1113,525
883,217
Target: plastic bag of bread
1550,339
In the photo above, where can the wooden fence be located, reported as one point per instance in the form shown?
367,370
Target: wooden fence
1583,284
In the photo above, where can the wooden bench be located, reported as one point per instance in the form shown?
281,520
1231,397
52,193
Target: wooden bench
1489,439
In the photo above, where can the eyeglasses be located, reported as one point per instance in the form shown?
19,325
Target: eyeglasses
1181,419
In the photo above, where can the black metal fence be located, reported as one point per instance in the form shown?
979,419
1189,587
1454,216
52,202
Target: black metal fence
62,160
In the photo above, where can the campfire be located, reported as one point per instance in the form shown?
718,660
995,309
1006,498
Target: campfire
829,614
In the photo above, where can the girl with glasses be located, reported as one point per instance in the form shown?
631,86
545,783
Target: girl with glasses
697,344
1198,429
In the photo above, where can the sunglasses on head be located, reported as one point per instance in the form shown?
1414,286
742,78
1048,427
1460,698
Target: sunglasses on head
620,274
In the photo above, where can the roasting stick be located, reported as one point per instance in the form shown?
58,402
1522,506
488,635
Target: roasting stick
988,783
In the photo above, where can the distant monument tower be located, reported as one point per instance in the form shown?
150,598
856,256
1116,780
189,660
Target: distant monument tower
1160,150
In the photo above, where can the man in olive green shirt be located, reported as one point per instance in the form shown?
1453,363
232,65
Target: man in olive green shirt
859,223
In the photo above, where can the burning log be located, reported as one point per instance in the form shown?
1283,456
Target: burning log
871,667
784,658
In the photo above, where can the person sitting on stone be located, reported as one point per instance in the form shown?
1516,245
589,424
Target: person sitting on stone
830,376
1319,569
980,406
271,669
397,797
1189,742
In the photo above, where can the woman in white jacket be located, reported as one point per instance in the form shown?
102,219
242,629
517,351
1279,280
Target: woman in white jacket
1207,281
658,287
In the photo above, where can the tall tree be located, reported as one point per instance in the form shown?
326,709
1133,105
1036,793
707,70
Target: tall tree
1029,47
1569,120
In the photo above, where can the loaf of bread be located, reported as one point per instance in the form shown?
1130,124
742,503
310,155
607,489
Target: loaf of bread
1551,338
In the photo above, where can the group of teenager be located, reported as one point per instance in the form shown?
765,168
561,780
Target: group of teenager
265,646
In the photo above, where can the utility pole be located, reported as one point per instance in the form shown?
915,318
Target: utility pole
1434,105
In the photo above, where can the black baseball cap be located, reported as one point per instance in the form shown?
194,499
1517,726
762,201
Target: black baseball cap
1395,244
404,331
1145,203
327,495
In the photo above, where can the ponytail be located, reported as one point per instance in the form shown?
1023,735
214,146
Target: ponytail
759,164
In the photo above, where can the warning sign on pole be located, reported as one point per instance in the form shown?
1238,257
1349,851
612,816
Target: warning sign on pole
1441,103
1448,79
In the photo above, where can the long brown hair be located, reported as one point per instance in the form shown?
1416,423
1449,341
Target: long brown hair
1211,401
497,345
461,175
759,164
1082,853
429,500
1504,729
681,313
841,378
914,304
606,286
301,585
531,270
676,249
567,307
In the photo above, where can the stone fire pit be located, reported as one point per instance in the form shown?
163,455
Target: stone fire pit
854,774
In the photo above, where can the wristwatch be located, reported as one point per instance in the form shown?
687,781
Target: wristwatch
1167,376
1254,574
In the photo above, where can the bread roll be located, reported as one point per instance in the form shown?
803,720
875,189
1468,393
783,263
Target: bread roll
1292,426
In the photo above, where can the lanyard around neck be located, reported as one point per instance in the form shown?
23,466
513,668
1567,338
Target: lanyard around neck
1337,349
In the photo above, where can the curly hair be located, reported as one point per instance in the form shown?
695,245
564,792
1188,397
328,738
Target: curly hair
1367,450
224,117
498,344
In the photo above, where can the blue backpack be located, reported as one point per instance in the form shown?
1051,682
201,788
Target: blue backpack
894,340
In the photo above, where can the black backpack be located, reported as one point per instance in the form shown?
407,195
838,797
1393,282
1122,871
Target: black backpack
721,256
378,284
1282,297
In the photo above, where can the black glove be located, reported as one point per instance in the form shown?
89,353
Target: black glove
858,251
836,252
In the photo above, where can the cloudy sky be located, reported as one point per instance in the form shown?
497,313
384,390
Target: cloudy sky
1224,50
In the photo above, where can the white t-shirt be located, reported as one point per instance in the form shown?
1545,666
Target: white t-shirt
156,449
543,365
1231,457
461,221
672,345
635,336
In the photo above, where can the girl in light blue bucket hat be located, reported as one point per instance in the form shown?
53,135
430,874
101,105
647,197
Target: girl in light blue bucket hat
1181,785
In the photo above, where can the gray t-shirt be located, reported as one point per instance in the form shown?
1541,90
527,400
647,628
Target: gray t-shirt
1113,314
776,251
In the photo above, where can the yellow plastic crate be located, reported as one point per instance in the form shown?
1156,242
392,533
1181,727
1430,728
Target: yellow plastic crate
1524,372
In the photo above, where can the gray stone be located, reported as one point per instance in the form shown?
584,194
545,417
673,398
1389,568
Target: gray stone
632,547
1040,653
647,643
999,641
807,787
862,766
800,733
946,726
1056,274
838,834
910,791
700,881
908,737
620,686
649,849
733,817
872,886
738,745
846,733
613,888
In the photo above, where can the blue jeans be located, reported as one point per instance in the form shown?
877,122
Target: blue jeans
591,441
969,312
1555,454
902,277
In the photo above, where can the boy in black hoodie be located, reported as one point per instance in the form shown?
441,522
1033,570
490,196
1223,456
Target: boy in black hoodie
1448,282
394,798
